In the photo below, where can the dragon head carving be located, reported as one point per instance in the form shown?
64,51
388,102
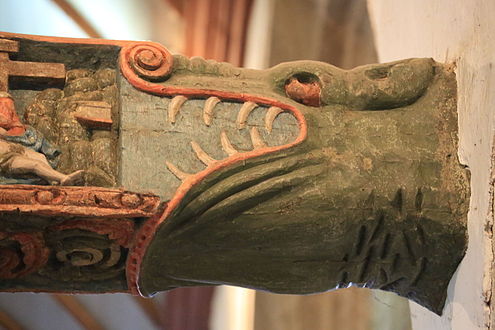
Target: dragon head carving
303,177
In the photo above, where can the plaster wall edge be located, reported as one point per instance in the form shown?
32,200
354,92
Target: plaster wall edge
456,31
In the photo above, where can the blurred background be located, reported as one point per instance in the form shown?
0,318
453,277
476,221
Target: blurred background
251,33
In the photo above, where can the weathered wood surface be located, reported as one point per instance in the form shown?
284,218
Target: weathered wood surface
459,32
47,72
296,179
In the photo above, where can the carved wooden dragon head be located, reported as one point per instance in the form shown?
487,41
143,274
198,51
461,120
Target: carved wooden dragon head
296,179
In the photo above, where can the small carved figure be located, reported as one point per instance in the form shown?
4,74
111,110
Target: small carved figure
18,159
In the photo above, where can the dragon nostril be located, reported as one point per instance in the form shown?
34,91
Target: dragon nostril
305,89
378,73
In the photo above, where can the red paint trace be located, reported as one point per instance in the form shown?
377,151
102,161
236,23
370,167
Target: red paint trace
138,61
146,233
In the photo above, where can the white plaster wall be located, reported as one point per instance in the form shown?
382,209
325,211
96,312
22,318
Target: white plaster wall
39,311
41,17
460,31
36,311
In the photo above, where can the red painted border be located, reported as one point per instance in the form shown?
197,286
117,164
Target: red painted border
34,254
146,233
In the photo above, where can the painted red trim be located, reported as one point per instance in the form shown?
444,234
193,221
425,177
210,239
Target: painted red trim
34,254
77,201
120,231
146,233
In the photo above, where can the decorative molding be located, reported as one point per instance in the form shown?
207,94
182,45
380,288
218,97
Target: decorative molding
76,201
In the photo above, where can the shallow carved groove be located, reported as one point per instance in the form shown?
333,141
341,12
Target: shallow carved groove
366,264
409,248
398,200
419,200
421,268
386,246
361,240
378,227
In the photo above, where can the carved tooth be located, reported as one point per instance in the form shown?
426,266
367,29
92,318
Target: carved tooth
178,173
226,145
208,109
271,114
246,109
202,155
174,107
257,139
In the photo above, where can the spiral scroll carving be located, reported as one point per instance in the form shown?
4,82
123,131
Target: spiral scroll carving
21,254
149,61
86,250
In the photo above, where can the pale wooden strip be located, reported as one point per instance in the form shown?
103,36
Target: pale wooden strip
78,311
7,322
150,309
80,20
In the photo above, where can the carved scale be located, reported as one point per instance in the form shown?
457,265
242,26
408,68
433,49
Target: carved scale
297,179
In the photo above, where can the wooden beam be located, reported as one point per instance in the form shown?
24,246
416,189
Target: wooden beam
238,27
149,308
177,5
218,30
200,27
188,308
78,311
9,46
49,72
7,322
79,19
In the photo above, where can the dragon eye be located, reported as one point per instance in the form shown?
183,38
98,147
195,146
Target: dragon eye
304,88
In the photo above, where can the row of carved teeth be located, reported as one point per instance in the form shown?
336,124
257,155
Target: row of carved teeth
227,146
209,106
